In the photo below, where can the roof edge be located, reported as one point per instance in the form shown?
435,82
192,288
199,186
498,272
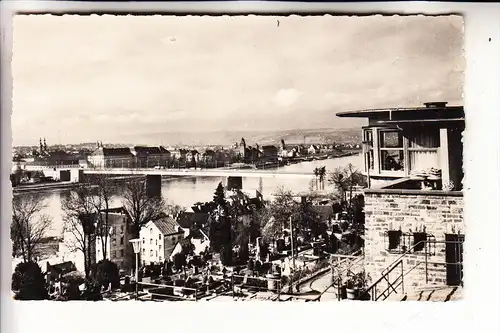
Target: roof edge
367,112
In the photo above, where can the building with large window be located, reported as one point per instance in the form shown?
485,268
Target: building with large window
411,142
414,228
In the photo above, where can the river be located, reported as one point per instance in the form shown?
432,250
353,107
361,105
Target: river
188,190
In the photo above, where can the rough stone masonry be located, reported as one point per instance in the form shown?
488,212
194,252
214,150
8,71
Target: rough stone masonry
410,211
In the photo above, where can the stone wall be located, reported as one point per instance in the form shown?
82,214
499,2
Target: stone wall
409,211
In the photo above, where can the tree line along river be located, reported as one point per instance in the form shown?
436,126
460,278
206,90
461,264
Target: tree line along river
186,191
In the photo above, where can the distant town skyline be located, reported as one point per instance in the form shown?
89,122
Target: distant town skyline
107,78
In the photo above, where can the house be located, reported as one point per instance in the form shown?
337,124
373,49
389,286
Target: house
269,154
178,155
150,156
117,244
195,227
193,156
223,156
200,243
313,149
414,203
55,272
158,240
111,158
209,157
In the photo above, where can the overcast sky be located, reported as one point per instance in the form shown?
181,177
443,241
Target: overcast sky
95,77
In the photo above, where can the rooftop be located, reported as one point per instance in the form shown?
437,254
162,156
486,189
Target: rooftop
167,225
431,110
113,151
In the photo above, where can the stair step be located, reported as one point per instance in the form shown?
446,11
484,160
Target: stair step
437,294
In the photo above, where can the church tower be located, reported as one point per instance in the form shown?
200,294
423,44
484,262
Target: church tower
243,149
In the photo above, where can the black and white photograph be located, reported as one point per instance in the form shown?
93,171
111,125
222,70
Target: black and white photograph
198,158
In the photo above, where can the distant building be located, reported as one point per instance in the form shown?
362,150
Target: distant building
269,154
193,156
209,156
158,240
313,149
111,158
150,156
179,154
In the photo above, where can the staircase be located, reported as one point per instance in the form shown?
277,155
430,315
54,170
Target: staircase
435,294
392,288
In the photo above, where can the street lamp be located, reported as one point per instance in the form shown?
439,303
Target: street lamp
136,243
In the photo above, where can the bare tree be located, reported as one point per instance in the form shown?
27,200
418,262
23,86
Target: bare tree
79,207
174,210
141,206
29,224
105,190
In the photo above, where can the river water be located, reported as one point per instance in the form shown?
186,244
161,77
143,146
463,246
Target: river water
188,190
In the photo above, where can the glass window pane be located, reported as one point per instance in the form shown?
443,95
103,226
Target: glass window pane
422,160
391,139
427,139
368,135
392,160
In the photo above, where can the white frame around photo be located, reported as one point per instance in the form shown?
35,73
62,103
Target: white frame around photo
477,311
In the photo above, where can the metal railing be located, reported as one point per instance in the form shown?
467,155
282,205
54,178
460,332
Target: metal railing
350,261
241,282
172,292
399,280
353,259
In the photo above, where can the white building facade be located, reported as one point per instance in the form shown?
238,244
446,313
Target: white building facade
158,240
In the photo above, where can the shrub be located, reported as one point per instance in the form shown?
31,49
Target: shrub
92,291
107,274
179,260
28,282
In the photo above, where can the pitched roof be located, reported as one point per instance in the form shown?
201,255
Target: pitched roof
164,150
167,225
142,150
62,268
199,234
114,151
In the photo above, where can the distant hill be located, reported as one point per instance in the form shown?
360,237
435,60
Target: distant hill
347,135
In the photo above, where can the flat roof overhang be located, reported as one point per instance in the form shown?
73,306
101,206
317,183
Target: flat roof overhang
390,112
418,121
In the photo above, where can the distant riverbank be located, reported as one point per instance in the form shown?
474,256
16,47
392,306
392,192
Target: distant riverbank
60,186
